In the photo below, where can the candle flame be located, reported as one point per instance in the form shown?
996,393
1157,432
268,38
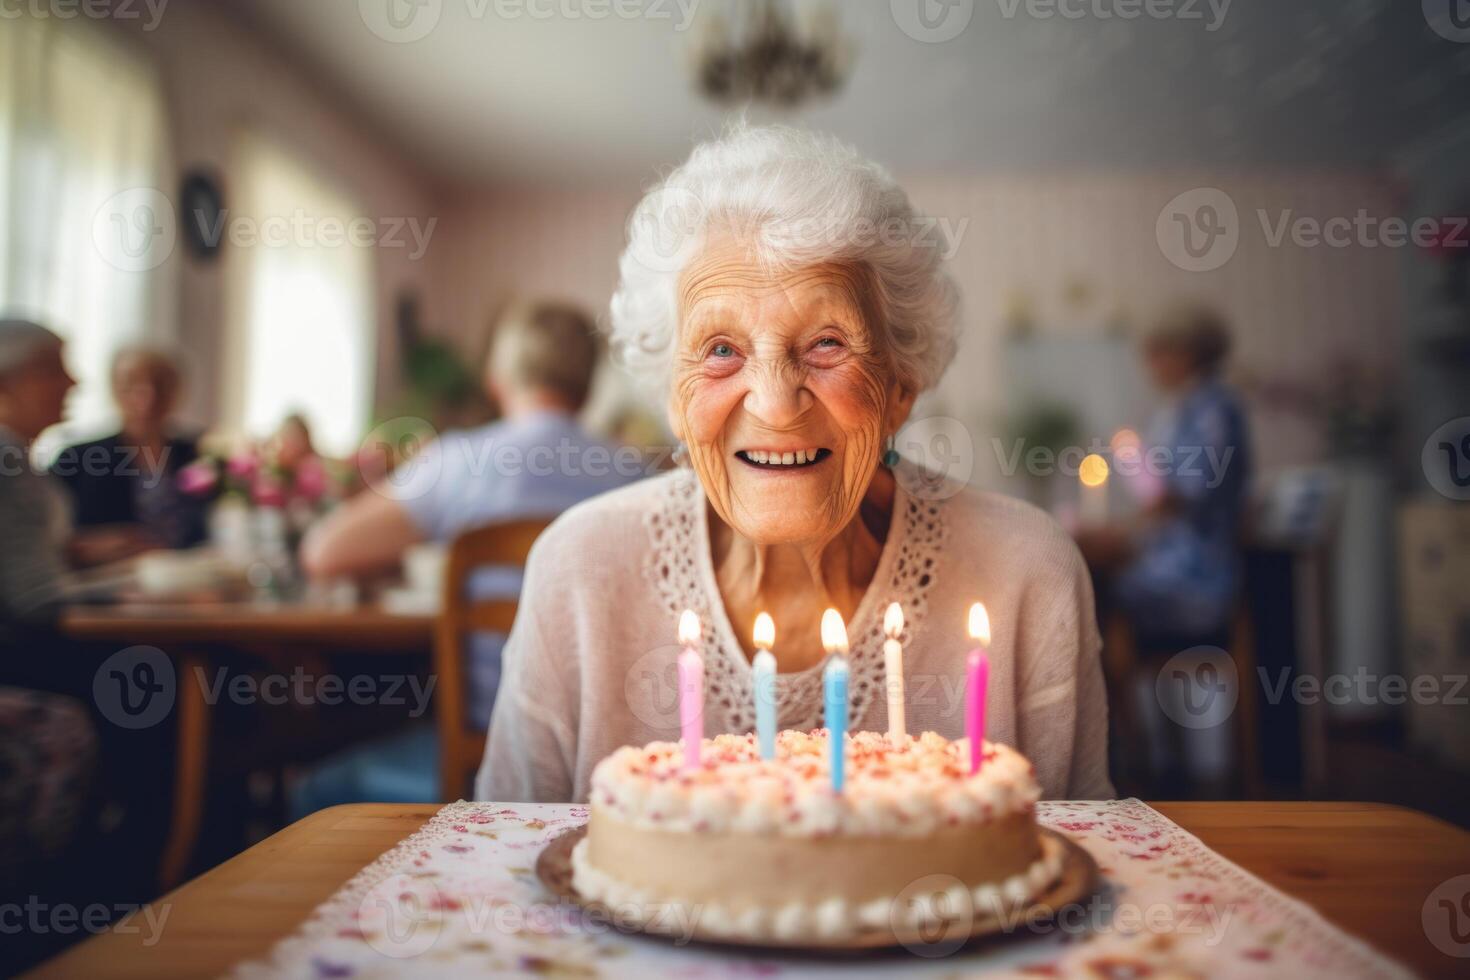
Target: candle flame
765,631
980,623
688,628
1093,471
834,632
893,620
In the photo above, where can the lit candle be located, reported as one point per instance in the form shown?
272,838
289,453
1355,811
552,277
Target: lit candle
834,690
765,685
893,667
977,679
691,689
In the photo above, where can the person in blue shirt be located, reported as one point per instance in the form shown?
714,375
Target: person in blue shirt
535,461
1175,572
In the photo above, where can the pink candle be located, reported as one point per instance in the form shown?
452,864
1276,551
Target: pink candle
691,689
977,679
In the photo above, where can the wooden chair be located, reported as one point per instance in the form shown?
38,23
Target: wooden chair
1124,662
461,746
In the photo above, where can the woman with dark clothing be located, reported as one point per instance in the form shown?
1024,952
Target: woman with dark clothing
127,482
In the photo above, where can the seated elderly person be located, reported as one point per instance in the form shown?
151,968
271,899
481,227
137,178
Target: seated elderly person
536,461
781,288
1173,570
36,577
36,530
127,483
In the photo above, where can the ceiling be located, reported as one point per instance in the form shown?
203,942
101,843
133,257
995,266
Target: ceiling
522,90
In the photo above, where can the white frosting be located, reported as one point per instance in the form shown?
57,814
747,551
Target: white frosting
908,790
832,919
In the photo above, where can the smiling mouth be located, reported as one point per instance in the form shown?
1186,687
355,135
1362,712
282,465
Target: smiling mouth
766,460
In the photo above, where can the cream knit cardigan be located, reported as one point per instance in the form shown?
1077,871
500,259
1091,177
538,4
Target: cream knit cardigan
589,665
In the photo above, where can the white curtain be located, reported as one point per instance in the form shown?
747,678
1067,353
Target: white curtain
301,335
86,229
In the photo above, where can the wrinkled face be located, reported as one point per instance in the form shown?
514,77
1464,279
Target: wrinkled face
783,392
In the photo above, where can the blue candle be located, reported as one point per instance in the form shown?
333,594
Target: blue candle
834,689
764,669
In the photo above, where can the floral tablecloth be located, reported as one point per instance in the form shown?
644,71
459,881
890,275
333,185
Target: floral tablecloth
461,898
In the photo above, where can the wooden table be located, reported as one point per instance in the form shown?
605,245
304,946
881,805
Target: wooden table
1366,867
284,635
360,628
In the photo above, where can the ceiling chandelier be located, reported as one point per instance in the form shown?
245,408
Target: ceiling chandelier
769,51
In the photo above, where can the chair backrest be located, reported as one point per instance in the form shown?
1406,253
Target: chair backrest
506,544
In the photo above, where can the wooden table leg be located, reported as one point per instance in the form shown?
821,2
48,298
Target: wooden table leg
190,763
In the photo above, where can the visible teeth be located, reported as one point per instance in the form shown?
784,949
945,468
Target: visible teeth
765,457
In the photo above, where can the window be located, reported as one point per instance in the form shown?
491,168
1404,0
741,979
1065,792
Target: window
86,237
301,305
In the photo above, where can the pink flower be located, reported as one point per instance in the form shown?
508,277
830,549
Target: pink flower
267,490
198,478
243,464
311,478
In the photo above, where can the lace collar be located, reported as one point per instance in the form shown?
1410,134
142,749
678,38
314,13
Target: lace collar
681,571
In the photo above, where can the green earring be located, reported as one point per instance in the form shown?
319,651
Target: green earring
890,455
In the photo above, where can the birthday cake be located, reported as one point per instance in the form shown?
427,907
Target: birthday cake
766,849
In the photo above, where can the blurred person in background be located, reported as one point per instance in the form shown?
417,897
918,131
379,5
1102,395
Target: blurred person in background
535,461
124,487
37,528
1174,570
292,444
48,740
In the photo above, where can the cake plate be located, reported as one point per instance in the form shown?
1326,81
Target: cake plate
1079,879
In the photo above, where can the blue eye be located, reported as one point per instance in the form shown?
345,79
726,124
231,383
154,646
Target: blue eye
722,350
829,342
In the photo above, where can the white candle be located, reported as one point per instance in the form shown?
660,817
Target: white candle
893,668
764,682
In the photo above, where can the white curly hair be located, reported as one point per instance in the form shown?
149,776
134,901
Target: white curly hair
796,198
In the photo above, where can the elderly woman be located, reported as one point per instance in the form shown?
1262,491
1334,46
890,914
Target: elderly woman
124,487
782,288
1173,569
